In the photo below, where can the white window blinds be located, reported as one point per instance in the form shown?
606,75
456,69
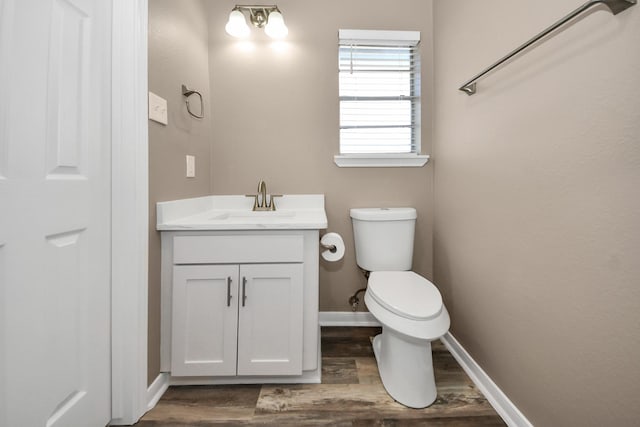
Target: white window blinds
379,78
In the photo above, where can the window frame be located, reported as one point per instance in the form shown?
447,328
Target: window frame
413,159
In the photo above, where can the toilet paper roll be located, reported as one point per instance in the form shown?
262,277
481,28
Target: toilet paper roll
334,239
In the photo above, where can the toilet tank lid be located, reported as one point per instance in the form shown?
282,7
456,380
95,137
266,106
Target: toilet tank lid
383,214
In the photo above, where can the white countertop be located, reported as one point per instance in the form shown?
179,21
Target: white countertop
293,212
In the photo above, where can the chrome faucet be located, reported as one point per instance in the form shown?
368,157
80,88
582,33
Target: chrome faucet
262,201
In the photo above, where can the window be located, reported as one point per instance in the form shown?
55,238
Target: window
379,86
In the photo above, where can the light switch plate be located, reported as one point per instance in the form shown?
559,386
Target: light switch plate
157,108
191,166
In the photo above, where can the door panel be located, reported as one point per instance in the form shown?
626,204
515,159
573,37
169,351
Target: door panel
55,196
67,94
66,309
205,320
270,322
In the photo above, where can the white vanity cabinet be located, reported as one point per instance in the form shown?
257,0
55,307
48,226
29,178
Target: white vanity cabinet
240,306
239,290
233,320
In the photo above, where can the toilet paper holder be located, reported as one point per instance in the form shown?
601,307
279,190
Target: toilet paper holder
331,248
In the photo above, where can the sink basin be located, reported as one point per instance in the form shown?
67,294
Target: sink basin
263,214
219,217
251,214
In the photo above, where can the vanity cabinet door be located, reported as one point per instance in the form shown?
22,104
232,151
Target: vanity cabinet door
205,320
270,319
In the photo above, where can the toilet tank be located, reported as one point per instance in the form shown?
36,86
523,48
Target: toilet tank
384,238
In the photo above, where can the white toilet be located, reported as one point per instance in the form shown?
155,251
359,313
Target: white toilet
408,306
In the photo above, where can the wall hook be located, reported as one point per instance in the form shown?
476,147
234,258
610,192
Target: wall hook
186,92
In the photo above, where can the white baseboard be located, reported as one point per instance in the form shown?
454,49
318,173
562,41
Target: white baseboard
157,389
500,402
347,318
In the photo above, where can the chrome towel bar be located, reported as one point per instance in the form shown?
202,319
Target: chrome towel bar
615,6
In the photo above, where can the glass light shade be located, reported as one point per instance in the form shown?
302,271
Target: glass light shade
275,27
237,25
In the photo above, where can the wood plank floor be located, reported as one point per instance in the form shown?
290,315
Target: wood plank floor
351,394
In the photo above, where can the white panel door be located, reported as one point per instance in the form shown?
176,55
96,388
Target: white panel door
55,104
204,320
270,319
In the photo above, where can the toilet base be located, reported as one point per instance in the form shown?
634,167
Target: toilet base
406,368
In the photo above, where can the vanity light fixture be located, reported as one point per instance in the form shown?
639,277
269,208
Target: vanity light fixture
267,17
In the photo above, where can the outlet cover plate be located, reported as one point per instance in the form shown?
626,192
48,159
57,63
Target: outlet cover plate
191,166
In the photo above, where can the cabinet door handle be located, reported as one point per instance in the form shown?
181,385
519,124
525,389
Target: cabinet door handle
228,291
244,290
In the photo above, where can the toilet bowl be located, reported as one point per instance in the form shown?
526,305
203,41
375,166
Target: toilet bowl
411,312
408,306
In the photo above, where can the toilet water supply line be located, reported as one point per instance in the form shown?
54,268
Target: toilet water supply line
354,300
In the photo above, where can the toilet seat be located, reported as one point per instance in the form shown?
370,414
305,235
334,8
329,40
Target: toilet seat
405,294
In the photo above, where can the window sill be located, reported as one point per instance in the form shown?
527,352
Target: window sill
380,160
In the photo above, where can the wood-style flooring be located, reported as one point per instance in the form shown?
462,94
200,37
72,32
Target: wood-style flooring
351,394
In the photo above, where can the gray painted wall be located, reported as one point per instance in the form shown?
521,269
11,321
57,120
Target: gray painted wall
537,229
178,54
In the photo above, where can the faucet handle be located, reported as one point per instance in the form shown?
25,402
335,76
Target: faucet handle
272,203
255,200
